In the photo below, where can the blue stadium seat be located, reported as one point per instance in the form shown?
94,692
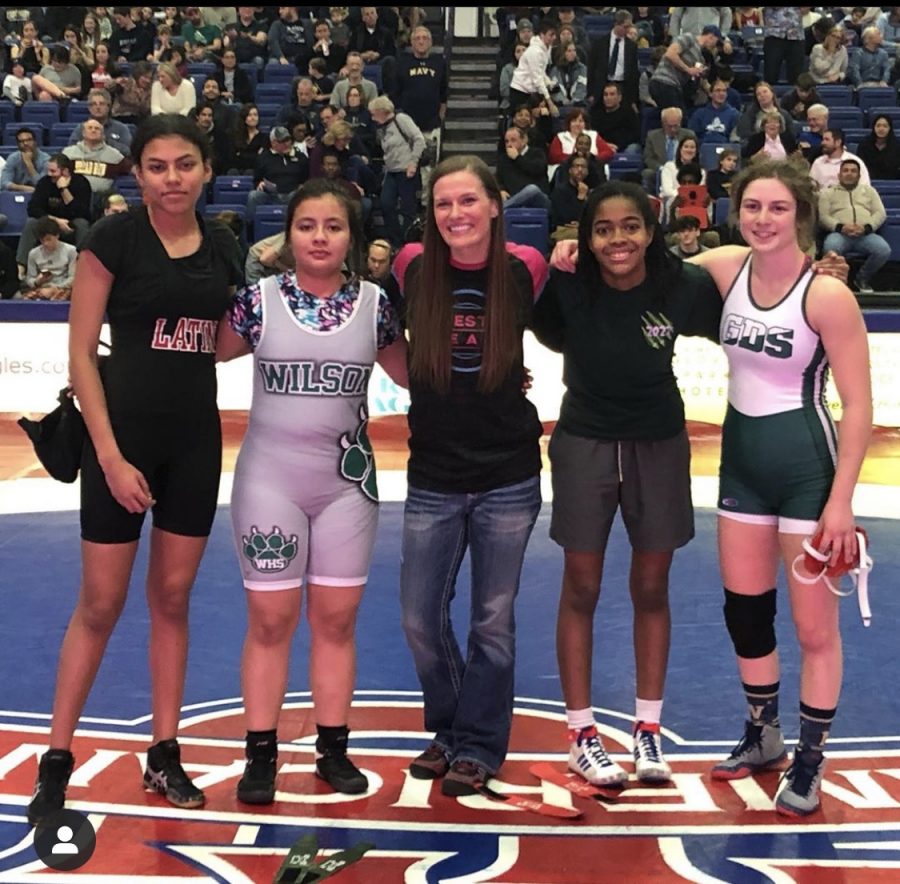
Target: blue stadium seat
231,189
10,129
530,227
373,72
273,93
7,112
45,112
876,96
891,233
268,113
201,68
892,113
268,221
845,118
60,134
833,95
709,154
723,205
886,185
77,112
272,73
890,201
14,205
251,70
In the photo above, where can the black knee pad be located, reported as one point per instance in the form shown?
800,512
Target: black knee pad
751,623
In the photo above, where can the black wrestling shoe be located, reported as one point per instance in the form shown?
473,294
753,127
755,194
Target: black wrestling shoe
165,775
257,785
50,789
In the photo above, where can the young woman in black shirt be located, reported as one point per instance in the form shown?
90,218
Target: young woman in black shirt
163,279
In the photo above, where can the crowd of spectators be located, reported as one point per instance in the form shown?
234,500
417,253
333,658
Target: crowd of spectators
679,97
365,107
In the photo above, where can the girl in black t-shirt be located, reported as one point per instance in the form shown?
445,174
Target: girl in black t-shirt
620,443
474,466
164,280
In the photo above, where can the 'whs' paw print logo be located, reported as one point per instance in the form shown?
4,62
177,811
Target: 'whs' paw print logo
357,461
269,552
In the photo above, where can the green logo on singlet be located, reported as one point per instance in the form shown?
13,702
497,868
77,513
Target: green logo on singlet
357,461
269,552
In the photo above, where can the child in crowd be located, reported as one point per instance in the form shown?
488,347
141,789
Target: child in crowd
51,265
718,181
687,237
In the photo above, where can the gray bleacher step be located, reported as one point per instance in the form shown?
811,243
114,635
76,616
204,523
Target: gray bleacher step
484,49
477,124
471,67
464,145
470,107
478,86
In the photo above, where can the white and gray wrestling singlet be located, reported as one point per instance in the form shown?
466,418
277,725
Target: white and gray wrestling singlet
304,504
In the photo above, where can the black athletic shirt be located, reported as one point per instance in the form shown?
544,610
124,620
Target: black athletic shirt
466,441
617,351
163,314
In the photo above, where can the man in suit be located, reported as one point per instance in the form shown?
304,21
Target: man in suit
661,144
614,59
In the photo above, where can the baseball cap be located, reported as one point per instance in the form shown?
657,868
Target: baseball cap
279,133
524,23
711,29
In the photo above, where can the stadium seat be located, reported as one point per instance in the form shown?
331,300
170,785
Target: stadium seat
14,205
876,96
833,95
723,205
77,112
373,72
273,73
273,93
891,233
10,129
231,189
44,112
892,113
7,112
845,118
268,221
709,154
60,134
529,227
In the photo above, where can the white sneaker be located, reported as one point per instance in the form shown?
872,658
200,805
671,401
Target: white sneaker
588,759
649,764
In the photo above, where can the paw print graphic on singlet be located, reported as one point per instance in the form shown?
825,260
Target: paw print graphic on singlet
269,552
357,462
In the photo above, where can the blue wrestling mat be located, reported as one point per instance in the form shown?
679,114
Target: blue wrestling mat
694,830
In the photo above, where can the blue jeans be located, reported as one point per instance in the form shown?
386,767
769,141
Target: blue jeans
468,700
397,187
529,197
871,246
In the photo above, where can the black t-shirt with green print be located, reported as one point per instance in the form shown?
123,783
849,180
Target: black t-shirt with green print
617,348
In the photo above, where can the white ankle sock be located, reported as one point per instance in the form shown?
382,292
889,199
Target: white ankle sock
648,710
577,719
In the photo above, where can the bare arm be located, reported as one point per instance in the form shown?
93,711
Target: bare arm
229,344
835,315
90,294
393,360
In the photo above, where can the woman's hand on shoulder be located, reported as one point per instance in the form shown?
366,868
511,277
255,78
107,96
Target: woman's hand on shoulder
565,256
832,264
128,485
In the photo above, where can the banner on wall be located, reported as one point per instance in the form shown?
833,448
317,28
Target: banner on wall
34,366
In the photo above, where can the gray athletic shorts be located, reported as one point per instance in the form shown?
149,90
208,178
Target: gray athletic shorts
649,480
